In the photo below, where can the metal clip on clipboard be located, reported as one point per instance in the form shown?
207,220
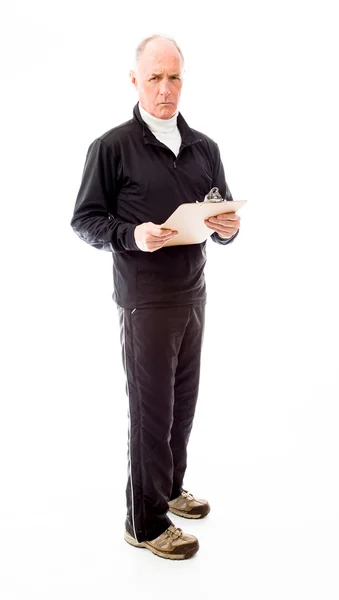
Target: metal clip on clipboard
213,196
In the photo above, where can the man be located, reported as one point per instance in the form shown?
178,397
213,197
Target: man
135,176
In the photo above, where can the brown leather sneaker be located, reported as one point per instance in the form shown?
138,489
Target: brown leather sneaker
172,543
189,507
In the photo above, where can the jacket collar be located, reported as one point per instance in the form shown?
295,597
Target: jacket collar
187,135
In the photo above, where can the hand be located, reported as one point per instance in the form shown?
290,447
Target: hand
150,237
225,225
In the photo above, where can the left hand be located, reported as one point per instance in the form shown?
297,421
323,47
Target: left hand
225,225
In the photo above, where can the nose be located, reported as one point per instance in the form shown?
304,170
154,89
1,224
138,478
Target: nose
164,87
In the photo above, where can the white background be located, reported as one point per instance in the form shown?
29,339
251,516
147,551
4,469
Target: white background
261,79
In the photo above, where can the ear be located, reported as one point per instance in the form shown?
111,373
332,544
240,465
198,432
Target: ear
133,77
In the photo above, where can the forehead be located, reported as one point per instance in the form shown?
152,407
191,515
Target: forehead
159,58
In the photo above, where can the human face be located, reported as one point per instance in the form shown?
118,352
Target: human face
158,79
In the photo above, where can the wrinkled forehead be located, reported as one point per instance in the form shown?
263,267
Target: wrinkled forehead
159,59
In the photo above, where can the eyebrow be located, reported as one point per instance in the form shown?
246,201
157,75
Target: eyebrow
159,75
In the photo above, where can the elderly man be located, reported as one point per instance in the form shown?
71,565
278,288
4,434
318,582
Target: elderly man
135,176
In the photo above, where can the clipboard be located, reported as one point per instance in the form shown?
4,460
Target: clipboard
188,219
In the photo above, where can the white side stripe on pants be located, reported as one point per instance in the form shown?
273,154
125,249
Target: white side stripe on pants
129,435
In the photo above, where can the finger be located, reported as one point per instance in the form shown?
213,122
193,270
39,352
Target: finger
219,226
162,240
156,243
231,217
224,229
162,233
224,225
209,225
227,231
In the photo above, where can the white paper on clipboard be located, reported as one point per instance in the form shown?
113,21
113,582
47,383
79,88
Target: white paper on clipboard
188,219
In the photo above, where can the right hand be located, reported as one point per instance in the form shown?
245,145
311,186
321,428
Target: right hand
150,237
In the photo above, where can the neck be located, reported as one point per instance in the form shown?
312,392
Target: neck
156,124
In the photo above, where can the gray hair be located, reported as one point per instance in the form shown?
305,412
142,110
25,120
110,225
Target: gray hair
141,47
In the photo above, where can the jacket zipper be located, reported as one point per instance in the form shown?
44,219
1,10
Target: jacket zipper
186,146
160,145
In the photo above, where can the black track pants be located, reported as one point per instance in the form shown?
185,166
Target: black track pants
161,349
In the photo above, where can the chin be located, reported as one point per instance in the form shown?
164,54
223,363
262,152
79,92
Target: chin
166,111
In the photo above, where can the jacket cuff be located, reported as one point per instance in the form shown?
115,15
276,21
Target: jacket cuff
130,243
223,241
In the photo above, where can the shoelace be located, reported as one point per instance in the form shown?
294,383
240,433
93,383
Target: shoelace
187,495
174,532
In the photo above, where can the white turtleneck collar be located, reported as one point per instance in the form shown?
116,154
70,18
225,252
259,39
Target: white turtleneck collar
156,124
165,130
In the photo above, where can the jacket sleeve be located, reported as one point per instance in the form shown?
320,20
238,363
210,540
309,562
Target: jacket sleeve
220,182
93,217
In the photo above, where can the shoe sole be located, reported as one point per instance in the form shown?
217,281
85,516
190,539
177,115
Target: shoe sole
188,515
188,554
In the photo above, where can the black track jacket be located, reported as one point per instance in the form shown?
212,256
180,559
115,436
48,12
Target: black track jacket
129,178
